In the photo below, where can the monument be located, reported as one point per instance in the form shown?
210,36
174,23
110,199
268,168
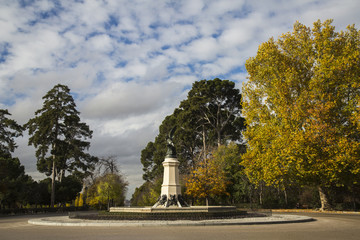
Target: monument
170,200
171,189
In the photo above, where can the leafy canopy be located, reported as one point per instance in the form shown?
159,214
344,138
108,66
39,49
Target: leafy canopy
210,116
58,134
9,130
302,107
207,179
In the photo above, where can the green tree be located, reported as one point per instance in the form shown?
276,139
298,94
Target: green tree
147,194
13,180
214,106
59,137
154,153
68,189
9,130
109,189
301,106
229,157
41,192
106,185
209,116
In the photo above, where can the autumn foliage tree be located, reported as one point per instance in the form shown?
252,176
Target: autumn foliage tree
107,186
302,108
207,180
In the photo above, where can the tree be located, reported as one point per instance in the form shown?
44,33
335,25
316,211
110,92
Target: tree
68,189
229,157
154,153
208,179
106,186
301,106
213,106
209,116
13,180
9,130
41,192
147,194
109,189
60,137
108,164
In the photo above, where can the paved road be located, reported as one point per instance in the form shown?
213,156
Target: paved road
327,226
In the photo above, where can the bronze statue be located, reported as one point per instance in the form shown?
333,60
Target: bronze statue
171,151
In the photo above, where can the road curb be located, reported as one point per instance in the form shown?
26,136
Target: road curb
66,221
313,211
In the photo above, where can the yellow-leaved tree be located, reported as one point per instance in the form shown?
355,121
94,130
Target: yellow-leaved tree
302,109
207,179
108,190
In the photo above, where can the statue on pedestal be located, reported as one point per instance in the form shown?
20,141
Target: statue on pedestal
170,189
171,150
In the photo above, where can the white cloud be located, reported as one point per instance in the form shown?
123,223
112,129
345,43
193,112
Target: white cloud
204,49
123,100
101,43
177,34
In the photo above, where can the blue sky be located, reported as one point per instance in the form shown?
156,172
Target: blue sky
130,63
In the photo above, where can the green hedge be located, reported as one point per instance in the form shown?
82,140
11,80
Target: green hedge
164,216
25,211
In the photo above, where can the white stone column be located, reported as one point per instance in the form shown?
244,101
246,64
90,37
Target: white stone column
171,185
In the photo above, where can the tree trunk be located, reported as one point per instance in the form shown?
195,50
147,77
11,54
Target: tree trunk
53,184
285,196
260,194
323,199
62,174
84,195
207,201
219,138
353,197
204,142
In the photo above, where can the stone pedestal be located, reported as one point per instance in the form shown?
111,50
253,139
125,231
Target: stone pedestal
171,185
170,189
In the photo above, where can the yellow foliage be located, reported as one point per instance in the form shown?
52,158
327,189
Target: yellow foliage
302,107
207,179
79,201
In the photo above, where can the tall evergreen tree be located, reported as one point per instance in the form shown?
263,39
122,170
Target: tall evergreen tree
9,130
214,107
59,137
12,175
209,117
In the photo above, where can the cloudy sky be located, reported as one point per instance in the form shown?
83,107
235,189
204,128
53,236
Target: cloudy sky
129,63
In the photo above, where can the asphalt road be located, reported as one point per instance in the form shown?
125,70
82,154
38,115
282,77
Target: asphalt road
327,226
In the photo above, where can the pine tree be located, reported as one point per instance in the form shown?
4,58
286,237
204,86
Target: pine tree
9,130
59,137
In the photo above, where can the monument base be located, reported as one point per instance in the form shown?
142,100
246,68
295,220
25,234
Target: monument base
170,189
192,209
175,200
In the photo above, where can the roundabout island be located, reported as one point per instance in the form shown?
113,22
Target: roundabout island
67,221
170,209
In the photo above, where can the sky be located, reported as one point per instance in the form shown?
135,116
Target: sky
129,63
